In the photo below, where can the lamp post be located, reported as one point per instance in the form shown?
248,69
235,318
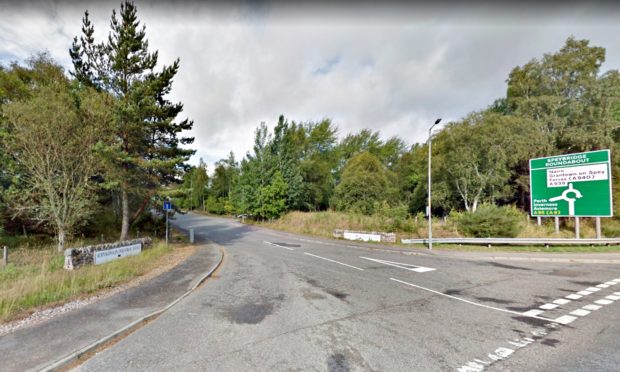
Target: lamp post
428,211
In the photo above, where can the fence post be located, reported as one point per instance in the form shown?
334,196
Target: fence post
5,255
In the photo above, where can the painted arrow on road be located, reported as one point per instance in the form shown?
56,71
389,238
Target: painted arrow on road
406,266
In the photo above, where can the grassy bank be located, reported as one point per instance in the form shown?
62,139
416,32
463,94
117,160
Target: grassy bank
35,278
324,223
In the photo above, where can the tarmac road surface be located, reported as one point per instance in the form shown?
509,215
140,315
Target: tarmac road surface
283,302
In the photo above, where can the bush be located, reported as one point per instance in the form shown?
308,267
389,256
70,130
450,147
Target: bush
490,221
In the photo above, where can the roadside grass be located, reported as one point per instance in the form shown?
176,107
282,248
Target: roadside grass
323,224
35,278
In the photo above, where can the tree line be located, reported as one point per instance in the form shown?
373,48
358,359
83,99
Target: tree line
101,140
561,103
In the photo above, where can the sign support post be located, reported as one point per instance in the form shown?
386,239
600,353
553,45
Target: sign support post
167,208
577,228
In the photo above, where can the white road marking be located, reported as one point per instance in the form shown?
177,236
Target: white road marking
533,312
406,266
611,282
580,312
573,296
565,319
617,293
593,289
584,293
592,307
603,302
561,301
548,306
471,302
278,245
613,297
339,263
602,286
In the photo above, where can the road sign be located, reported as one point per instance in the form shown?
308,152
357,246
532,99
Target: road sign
167,205
572,185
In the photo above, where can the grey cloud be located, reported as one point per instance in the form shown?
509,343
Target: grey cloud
393,68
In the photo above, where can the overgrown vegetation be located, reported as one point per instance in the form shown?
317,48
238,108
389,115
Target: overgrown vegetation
35,278
490,221
93,150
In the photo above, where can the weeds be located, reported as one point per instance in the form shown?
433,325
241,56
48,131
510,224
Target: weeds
35,277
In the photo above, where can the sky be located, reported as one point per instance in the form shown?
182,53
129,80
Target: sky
393,67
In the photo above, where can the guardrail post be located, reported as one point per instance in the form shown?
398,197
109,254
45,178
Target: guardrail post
191,236
597,222
5,255
576,227
557,225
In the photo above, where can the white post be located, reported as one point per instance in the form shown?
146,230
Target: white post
597,221
557,225
5,255
191,236
577,228
538,220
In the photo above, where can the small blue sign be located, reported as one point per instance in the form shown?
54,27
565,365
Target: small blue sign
167,205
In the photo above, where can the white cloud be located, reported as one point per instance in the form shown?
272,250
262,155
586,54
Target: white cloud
390,68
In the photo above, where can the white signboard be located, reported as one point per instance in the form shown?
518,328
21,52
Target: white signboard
116,253
362,236
561,177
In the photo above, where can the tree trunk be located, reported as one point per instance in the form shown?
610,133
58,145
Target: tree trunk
125,207
61,239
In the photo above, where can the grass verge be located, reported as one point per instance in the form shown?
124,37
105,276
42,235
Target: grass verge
323,224
35,278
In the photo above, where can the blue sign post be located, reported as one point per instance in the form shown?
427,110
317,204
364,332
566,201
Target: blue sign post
167,208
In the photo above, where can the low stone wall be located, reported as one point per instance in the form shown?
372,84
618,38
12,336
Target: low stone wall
76,257
383,236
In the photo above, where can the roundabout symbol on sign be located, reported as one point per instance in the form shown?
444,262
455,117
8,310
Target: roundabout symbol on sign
571,201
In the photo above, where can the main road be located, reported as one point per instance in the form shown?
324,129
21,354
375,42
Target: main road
282,302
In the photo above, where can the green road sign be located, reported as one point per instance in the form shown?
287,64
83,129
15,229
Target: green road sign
571,185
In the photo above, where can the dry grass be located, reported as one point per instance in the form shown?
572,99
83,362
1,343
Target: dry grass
35,278
324,223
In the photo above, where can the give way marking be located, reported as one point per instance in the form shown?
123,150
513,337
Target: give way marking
406,266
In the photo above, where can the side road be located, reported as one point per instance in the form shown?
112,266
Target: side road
592,258
38,346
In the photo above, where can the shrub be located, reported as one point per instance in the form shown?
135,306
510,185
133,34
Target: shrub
490,221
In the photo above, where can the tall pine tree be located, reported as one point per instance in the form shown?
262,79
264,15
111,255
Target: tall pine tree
145,152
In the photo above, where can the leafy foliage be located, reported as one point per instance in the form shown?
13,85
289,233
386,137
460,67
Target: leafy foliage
364,182
490,221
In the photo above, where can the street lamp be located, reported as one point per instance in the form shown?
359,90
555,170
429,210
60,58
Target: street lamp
428,211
